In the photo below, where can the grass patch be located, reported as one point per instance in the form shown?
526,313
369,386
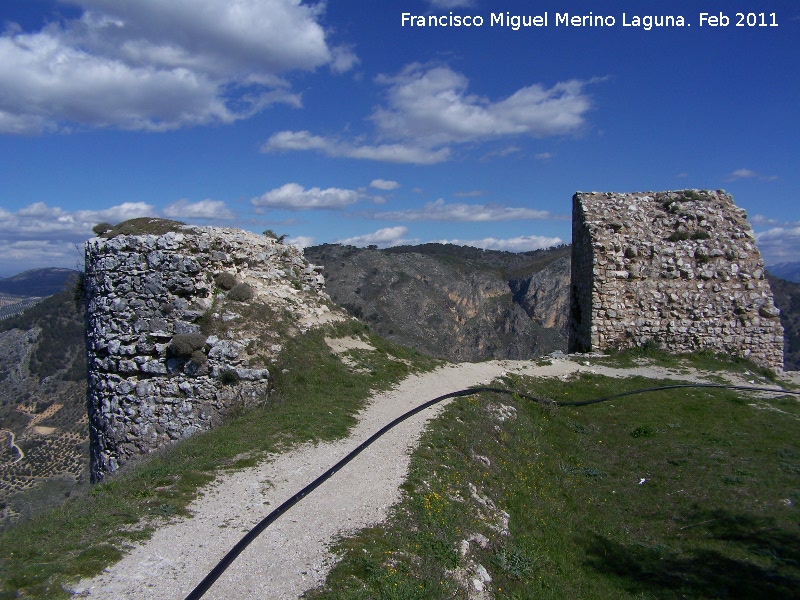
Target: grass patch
702,360
315,397
663,495
141,226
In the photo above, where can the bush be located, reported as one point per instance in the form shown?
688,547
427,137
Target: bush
229,377
241,292
184,345
102,228
225,281
144,226
197,363
271,234
679,236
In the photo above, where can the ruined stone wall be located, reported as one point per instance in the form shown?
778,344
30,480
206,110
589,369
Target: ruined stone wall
171,347
678,269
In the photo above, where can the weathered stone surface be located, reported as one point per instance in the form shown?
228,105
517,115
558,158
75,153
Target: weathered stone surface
142,292
679,269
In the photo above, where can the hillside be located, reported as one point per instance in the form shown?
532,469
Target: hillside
43,408
787,298
37,282
787,270
454,302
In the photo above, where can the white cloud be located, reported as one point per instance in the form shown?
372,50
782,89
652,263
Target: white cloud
780,244
294,197
762,220
432,106
428,110
543,156
39,235
303,241
344,58
739,174
383,184
394,153
523,243
470,194
743,174
204,209
388,236
154,65
502,153
39,221
459,212
16,257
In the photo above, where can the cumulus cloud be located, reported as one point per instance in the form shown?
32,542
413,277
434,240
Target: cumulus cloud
432,104
40,235
303,241
393,153
40,221
154,65
204,209
384,238
428,109
383,184
762,220
295,197
16,257
523,243
458,212
780,244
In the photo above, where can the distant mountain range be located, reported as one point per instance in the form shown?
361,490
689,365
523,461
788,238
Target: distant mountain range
37,282
790,271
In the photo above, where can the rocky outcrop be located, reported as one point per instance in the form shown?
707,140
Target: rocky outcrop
182,327
678,269
448,301
544,295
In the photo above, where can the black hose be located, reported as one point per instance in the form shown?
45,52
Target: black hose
251,535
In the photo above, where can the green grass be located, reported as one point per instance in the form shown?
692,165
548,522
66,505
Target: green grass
664,495
702,360
315,398
143,226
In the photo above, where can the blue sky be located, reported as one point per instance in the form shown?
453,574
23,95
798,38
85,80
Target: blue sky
334,122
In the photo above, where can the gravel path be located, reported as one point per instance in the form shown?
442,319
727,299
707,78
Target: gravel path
290,557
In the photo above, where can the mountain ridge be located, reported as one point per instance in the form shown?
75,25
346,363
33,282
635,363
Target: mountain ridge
453,302
38,282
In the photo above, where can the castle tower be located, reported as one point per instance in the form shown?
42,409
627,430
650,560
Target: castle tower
677,269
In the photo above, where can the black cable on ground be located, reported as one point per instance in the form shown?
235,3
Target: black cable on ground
251,535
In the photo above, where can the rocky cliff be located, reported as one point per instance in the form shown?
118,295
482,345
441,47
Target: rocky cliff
182,326
453,302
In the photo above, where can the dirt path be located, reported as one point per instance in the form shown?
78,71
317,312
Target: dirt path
12,444
290,556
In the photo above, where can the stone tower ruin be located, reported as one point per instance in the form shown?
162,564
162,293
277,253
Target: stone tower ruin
677,269
172,346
